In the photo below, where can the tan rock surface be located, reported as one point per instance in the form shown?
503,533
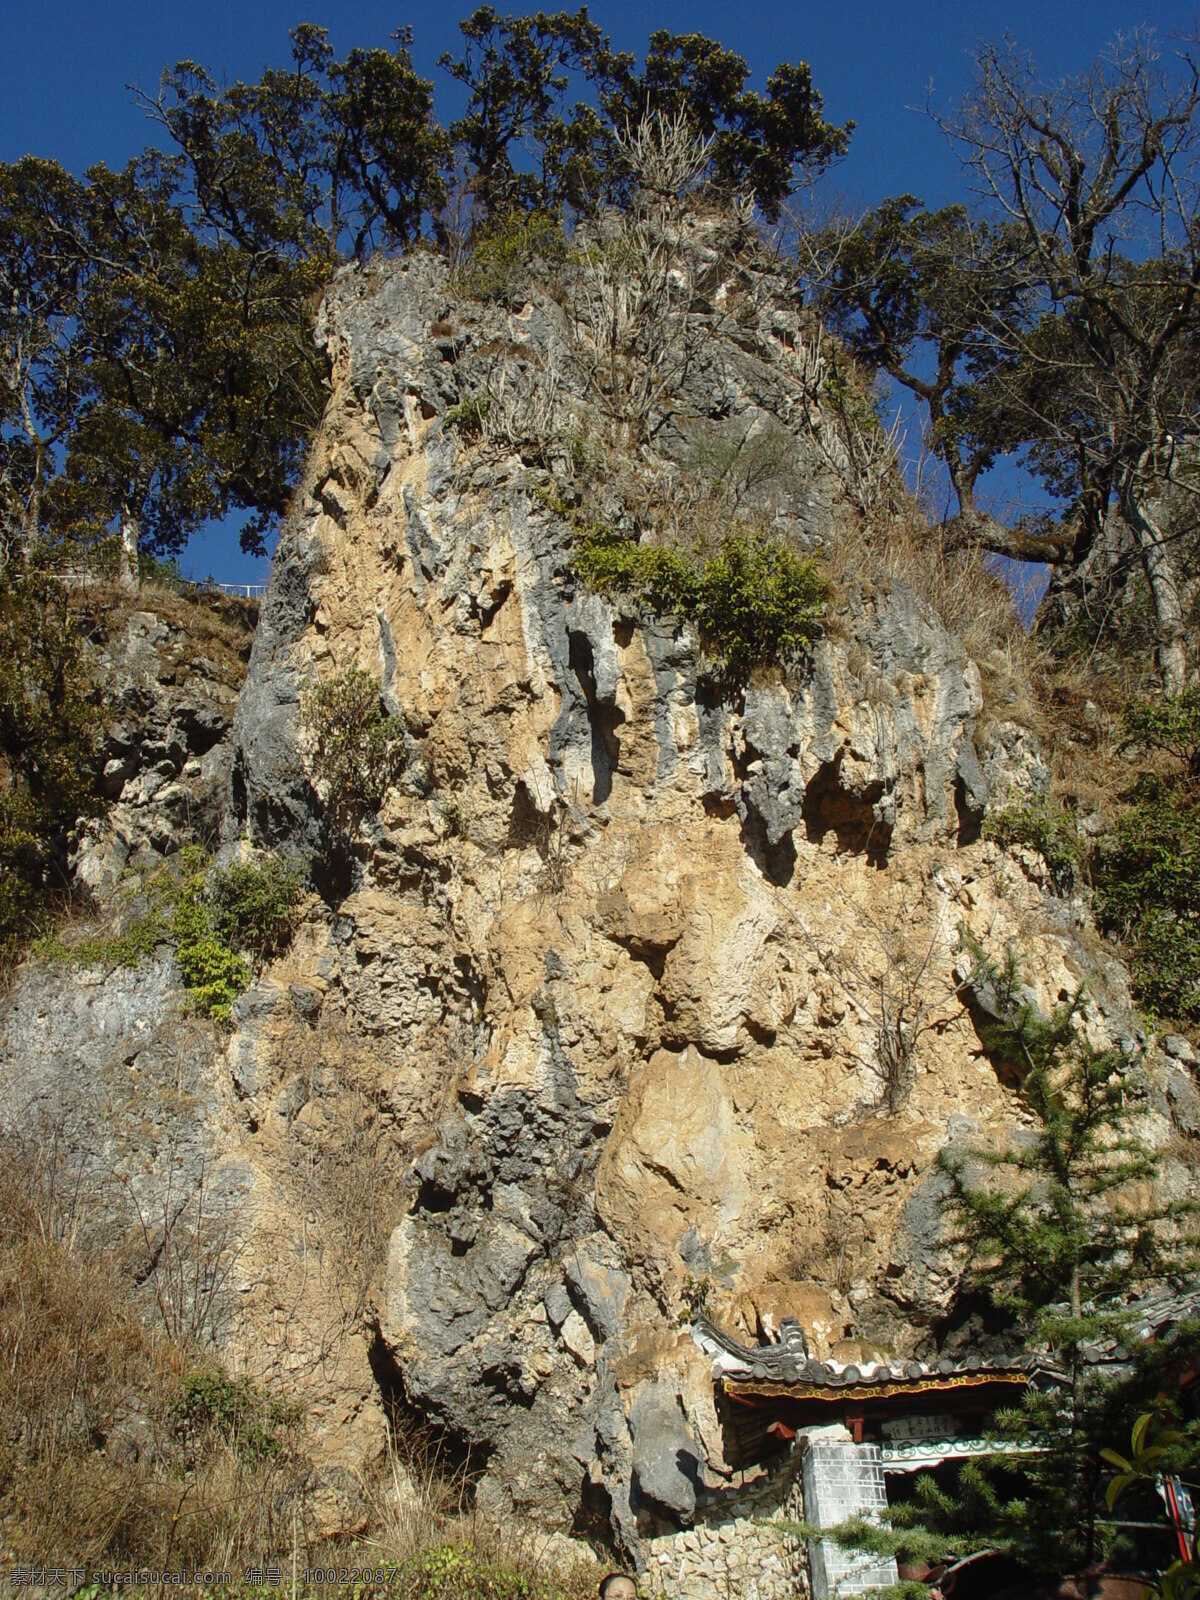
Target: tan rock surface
588,1025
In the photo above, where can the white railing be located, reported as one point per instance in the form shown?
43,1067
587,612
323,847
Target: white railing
79,577
248,591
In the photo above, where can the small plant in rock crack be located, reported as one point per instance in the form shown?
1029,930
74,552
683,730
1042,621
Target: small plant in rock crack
357,747
553,845
454,816
695,1295
470,414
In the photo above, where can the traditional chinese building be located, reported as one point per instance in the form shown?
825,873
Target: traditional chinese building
865,1429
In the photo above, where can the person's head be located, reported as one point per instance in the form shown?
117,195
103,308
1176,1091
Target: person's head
617,1586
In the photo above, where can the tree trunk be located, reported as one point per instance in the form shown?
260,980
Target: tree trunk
31,536
1172,652
128,574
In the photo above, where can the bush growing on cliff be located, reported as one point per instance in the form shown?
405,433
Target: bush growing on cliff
1148,892
254,906
358,748
227,923
214,973
224,925
1037,825
755,603
503,252
236,1411
1146,872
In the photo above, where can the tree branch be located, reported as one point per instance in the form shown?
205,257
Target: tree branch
973,529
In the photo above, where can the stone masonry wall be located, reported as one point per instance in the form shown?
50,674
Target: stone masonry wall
737,1547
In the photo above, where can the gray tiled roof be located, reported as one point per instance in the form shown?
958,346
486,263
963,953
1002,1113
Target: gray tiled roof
788,1361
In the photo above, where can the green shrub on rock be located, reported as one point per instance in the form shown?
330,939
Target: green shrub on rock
227,923
1035,824
213,971
358,749
253,1424
254,906
1148,892
470,414
502,255
223,923
755,603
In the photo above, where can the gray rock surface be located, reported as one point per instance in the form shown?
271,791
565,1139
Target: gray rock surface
666,1470
167,752
101,1074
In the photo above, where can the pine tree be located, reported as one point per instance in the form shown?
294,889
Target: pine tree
1060,1230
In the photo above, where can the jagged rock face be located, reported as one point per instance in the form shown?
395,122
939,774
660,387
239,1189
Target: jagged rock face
168,700
595,1003
629,929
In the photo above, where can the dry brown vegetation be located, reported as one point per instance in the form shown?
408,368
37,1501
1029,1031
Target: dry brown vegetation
124,1446
97,1463
215,625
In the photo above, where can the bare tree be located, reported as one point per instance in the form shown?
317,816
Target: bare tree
1058,317
893,976
191,1255
632,336
1099,180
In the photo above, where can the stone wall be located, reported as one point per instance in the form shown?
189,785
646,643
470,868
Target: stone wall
738,1547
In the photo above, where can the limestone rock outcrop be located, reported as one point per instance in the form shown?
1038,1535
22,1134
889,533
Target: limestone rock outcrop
628,928
170,688
591,1014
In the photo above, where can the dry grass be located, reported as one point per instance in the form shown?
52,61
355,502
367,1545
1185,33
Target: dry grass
94,1468
973,603
215,625
424,1518
106,1461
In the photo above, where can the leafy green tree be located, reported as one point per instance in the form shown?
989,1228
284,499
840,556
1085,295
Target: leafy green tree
759,141
202,383
42,359
328,157
520,72
927,298
1059,1229
152,378
48,724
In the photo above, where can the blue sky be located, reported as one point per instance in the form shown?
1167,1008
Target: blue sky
65,65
